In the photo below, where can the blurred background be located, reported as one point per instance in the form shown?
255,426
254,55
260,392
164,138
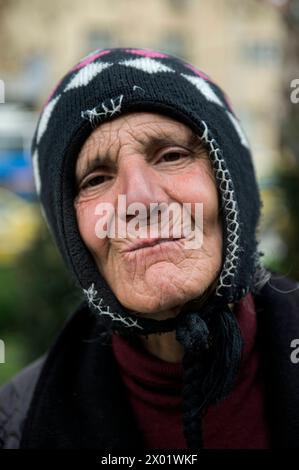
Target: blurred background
250,47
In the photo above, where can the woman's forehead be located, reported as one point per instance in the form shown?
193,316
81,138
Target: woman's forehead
137,126
140,123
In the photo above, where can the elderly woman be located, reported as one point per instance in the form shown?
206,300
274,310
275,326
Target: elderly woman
183,340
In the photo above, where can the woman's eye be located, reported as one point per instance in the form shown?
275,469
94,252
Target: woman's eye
172,156
94,181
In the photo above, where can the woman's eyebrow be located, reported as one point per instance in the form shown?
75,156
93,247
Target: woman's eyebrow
191,141
150,144
97,162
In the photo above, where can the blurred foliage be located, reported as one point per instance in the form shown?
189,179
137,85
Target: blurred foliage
36,296
288,228
288,175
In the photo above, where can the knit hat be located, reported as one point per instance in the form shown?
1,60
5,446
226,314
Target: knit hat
102,86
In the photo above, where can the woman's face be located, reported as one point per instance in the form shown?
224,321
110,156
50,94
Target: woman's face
148,158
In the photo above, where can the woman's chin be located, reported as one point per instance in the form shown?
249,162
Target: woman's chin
159,303
158,313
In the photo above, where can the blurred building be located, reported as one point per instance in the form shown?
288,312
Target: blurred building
240,44
16,128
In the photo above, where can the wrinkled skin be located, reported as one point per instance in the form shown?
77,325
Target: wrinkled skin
152,281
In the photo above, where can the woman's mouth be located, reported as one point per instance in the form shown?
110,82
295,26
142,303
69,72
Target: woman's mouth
150,243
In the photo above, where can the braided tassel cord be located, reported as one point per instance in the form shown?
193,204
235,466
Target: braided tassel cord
211,362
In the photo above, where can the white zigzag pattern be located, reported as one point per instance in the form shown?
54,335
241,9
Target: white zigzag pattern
86,74
203,87
36,173
146,65
238,129
43,123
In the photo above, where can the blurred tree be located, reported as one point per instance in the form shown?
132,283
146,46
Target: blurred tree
47,294
288,177
36,297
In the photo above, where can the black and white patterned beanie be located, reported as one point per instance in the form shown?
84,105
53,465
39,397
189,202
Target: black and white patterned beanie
102,86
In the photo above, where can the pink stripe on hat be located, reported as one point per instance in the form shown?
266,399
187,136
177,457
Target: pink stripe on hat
147,53
229,103
51,94
198,72
206,77
89,59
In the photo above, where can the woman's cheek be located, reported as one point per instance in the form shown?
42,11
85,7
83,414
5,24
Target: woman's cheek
87,220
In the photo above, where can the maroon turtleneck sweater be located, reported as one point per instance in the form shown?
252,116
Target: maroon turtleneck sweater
154,390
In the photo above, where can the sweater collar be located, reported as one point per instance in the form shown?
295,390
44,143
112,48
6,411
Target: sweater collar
152,378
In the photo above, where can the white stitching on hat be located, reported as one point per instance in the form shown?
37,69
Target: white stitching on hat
97,304
231,209
92,115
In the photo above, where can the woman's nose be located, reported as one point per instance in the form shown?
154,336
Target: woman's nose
140,182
